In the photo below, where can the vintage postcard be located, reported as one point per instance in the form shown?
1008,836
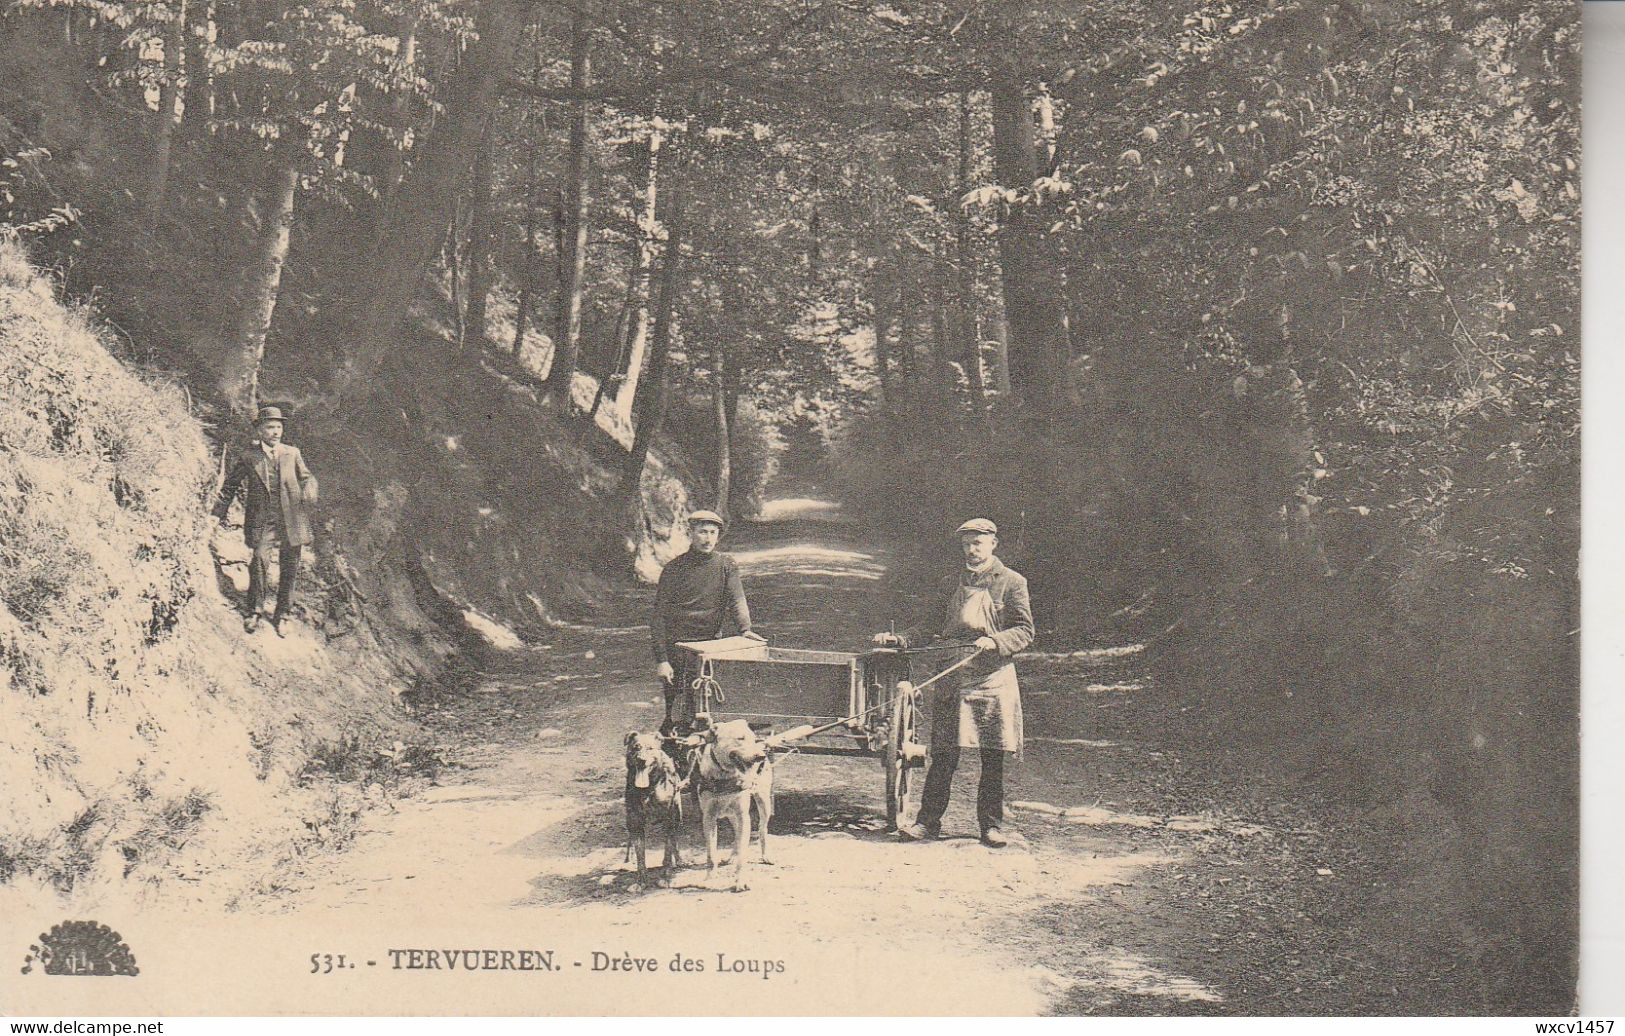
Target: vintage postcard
789,507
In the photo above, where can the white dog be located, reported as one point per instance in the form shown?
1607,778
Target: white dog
734,770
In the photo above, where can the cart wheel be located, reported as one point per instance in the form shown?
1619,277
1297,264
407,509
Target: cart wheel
904,725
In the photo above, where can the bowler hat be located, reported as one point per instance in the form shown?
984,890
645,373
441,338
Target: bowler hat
979,525
707,516
269,413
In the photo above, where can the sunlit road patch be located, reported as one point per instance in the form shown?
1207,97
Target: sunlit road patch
800,507
807,559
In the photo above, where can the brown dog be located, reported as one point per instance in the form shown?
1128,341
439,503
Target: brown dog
654,792
733,772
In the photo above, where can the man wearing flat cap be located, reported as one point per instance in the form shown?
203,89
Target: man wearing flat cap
985,605
278,489
699,592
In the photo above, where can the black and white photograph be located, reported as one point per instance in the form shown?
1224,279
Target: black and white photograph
792,508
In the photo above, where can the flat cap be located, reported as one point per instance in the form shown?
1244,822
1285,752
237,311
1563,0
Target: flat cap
269,413
979,525
707,516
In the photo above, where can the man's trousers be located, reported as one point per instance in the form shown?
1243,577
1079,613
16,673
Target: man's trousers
259,573
939,775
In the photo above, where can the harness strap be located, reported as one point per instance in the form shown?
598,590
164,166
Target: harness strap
735,779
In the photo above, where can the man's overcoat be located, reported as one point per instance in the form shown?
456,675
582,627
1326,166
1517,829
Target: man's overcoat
979,705
279,490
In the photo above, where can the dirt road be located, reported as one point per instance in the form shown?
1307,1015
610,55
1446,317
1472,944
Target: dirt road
1143,883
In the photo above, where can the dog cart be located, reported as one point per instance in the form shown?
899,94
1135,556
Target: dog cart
819,702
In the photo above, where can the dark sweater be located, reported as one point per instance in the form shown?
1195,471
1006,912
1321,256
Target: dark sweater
696,594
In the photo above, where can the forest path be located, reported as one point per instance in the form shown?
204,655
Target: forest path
1138,884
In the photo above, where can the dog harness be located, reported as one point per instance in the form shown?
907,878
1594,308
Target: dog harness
718,777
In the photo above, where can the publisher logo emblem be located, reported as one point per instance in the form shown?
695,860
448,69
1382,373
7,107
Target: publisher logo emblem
81,948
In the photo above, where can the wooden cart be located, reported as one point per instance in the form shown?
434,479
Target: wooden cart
854,704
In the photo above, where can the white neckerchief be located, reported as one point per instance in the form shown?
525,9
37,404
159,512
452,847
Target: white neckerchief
984,568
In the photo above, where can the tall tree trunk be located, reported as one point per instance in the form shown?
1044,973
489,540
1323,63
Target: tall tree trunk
567,348
241,383
527,271
944,395
719,409
401,108
730,389
602,390
198,106
1033,300
527,277
424,201
882,317
346,106
561,262
966,307
171,104
642,268
481,226
1001,355
618,334
1045,153
733,301
904,389
815,230
453,259
654,396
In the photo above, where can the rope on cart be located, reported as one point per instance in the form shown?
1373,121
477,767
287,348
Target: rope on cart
706,685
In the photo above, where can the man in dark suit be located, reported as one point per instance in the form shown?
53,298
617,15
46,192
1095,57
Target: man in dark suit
278,490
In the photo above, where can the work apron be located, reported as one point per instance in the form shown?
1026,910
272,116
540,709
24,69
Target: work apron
985,701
